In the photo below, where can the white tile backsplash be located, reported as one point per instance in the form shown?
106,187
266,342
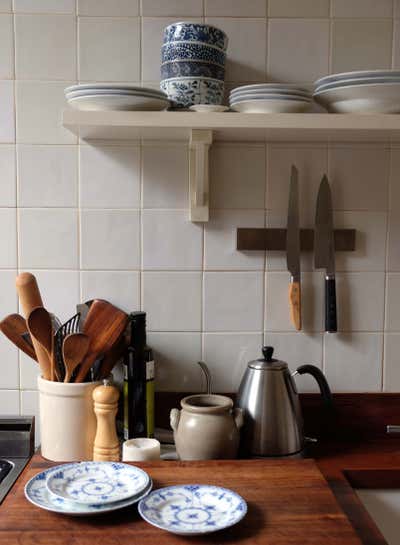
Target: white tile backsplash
111,219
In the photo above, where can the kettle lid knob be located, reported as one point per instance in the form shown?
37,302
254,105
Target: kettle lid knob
267,352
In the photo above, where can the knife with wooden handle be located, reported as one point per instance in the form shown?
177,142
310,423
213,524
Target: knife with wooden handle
293,250
324,251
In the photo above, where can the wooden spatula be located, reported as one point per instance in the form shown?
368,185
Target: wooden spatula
41,329
104,325
14,326
74,349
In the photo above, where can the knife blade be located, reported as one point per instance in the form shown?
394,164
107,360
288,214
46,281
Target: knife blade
293,250
324,251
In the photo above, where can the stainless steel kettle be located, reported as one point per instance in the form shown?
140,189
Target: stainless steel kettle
273,424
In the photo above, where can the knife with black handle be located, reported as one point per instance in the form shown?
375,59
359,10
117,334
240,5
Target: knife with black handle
293,250
324,251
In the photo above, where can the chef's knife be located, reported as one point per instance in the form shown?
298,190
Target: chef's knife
324,251
293,250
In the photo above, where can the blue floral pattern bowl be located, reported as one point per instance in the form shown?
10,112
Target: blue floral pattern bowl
193,509
192,51
192,68
196,32
185,92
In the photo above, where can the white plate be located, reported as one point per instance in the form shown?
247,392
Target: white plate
271,106
37,493
95,92
360,81
268,86
113,86
193,509
357,74
374,98
268,96
270,91
97,482
207,108
118,102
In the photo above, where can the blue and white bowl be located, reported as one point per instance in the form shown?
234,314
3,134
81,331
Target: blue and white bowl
186,91
196,32
192,68
192,51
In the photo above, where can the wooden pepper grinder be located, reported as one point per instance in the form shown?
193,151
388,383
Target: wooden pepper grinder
106,444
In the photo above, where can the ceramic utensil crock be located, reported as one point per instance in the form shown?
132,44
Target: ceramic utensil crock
206,428
67,420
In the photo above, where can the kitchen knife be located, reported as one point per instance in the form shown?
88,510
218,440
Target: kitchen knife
293,250
324,251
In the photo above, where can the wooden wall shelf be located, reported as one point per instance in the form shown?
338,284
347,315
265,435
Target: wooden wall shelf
275,239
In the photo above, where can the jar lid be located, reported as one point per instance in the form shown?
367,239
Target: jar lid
268,362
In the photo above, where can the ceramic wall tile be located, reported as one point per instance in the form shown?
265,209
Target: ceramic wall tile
227,355
394,186
6,47
8,353
391,368
9,402
36,56
171,241
110,239
5,6
165,176
359,177
47,176
8,173
30,406
176,355
237,178
247,49
7,114
59,290
298,350
44,6
277,312
298,8
392,318
353,49
362,8
220,251
113,8
396,43
360,301
233,301
48,238
109,49
393,246
29,372
109,176
235,8
353,361
180,291
121,288
152,38
39,106
172,8
8,240
298,49
369,253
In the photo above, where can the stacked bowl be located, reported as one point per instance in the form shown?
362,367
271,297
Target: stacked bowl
193,64
269,98
366,91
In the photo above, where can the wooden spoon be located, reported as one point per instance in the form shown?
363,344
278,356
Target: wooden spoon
41,329
74,349
14,326
104,325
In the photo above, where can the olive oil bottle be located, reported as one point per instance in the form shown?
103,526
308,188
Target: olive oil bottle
138,381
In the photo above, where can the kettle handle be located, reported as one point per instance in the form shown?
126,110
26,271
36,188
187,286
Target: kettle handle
321,380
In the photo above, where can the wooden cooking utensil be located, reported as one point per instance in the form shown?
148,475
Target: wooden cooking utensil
104,325
14,326
74,349
41,329
30,298
111,358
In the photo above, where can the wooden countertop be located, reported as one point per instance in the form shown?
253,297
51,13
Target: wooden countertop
289,503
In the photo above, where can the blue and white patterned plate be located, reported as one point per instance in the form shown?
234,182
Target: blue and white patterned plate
97,482
37,493
193,509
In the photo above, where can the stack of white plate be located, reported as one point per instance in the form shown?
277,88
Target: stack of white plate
366,91
105,96
88,488
269,98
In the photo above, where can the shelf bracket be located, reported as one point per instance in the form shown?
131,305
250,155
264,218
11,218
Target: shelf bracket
199,146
